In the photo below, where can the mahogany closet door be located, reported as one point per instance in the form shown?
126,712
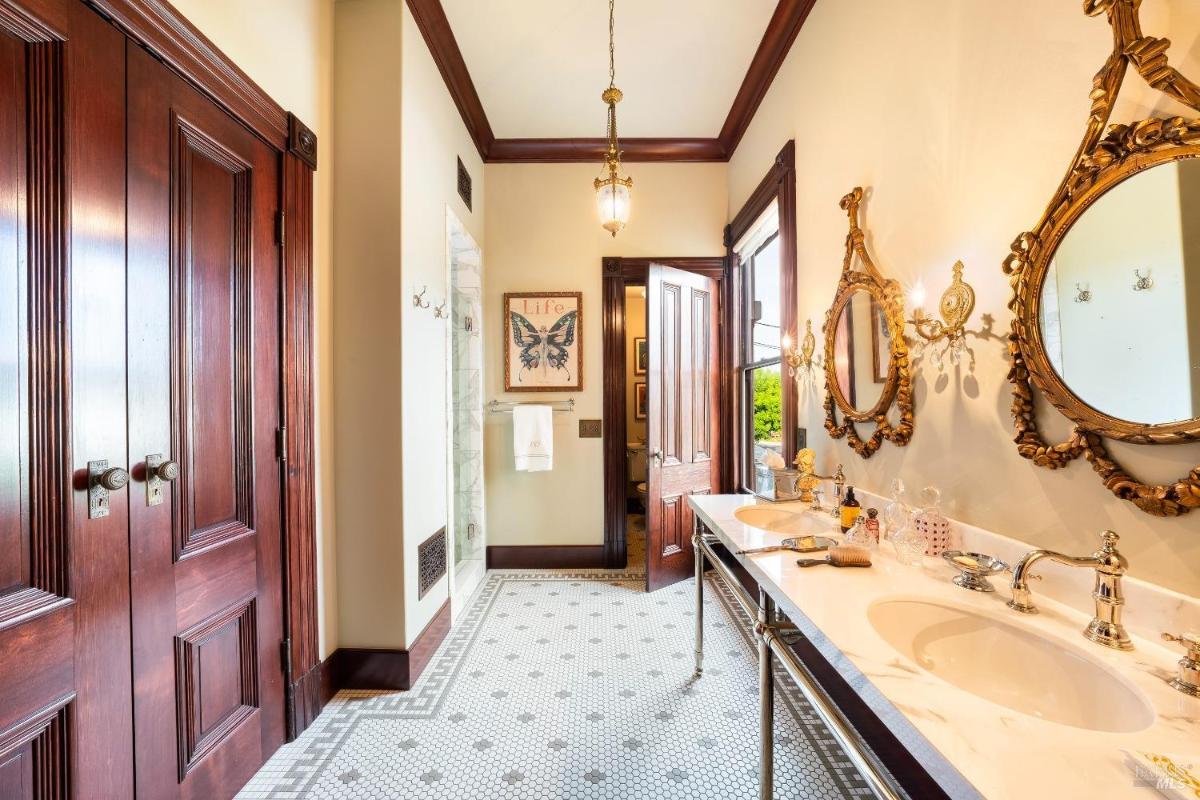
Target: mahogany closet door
65,705
683,383
204,392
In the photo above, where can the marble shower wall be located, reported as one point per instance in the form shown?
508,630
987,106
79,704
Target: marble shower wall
466,311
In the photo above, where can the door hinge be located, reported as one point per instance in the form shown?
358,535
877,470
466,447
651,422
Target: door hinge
280,227
281,443
285,657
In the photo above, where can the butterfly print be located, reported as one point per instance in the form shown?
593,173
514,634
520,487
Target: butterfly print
544,348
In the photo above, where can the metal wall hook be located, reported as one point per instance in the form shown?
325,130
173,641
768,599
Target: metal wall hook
419,300
1082,295
440,312
1143,282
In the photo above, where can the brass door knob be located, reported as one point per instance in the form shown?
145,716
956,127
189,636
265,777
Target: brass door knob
167,470
114,479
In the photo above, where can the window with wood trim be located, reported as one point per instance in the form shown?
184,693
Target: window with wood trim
758,362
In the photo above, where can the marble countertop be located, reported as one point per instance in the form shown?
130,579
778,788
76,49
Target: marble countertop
971,746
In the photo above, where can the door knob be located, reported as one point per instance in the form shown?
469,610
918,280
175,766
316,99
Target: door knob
114,478
167,470
656,455
103,479
159,470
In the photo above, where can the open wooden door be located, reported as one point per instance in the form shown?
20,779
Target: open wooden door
683,383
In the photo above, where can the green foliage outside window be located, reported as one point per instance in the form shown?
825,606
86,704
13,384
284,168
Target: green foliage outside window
768,406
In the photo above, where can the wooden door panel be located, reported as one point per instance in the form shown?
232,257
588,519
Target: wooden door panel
64,634
205,388
684,383
212,362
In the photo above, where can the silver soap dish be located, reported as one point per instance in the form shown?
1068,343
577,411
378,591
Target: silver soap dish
974,569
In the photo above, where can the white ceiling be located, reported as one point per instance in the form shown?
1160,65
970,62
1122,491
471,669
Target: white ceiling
539,65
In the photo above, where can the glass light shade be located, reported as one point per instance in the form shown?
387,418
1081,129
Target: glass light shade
612,201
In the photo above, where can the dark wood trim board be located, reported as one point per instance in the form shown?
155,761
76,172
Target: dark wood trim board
776,42
380,668
551,556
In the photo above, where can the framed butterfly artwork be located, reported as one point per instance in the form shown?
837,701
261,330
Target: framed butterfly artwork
543,334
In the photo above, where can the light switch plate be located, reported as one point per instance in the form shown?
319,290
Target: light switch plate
590,429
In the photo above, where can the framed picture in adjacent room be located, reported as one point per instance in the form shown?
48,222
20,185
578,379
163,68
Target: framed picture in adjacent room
641,356
640,406
543,334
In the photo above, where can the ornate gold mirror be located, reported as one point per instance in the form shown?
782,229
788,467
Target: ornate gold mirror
866,356
1107,286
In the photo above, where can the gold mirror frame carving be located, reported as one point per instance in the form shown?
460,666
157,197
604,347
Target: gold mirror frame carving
1107,156
898,387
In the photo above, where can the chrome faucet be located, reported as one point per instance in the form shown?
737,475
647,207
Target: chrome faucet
1105,628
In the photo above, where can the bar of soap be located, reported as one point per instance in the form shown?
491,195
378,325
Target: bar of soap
966,561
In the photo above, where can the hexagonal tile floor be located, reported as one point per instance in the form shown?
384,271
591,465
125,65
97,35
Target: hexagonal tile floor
568,685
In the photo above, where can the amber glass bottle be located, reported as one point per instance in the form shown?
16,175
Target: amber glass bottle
851,508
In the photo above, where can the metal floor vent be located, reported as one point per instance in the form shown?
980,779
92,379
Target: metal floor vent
431,562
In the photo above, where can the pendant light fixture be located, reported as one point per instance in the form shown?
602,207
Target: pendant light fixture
612,191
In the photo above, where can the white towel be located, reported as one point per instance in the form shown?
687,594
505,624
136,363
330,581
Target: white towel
533,437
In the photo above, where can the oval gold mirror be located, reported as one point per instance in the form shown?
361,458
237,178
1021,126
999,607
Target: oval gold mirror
866,356
1107,286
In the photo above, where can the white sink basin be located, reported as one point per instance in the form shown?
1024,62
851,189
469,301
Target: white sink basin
778,520
1011,666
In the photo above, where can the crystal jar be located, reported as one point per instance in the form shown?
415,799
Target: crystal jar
932,524
910,546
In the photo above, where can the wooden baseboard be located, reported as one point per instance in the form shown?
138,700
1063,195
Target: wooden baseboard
384,668
553,556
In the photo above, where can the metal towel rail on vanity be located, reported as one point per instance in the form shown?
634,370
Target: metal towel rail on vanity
771,635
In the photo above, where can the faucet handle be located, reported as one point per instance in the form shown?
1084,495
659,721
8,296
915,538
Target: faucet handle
1108,541
1191,641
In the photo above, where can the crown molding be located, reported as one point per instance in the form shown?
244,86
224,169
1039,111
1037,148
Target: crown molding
777,40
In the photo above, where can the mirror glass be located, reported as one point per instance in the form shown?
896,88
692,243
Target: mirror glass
862,351
1120,307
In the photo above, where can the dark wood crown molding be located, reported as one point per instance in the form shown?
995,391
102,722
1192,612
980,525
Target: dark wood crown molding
435,28
550,151
777,40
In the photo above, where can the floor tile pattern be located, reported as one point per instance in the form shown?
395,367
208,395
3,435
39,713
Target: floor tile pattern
568,685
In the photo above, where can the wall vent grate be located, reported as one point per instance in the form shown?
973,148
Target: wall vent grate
464,184
431,562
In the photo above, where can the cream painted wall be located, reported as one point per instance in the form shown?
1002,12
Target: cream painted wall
432,135
286,47
543,234
369,297
960,120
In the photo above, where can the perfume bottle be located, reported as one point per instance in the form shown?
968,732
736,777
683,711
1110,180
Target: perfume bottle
872,525
860,536
909,544
896,514
932,524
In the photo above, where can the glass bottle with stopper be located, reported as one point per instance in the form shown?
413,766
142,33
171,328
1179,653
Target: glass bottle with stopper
896,513
932,524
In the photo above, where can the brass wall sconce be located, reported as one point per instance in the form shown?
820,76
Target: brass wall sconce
958,301
802,358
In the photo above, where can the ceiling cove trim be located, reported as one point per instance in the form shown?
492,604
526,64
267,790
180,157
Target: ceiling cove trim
777,40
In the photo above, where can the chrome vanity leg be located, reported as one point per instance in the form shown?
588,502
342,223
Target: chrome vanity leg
766,699
697,536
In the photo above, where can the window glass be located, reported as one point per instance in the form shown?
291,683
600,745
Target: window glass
765,311
764,411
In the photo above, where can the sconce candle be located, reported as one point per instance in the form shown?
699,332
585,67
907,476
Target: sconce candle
802,358
955,308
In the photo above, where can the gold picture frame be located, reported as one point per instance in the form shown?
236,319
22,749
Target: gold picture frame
543,333
1107,156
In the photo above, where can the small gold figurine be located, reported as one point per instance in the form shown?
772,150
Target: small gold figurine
808,480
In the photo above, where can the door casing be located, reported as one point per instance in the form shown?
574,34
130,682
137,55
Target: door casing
619,273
